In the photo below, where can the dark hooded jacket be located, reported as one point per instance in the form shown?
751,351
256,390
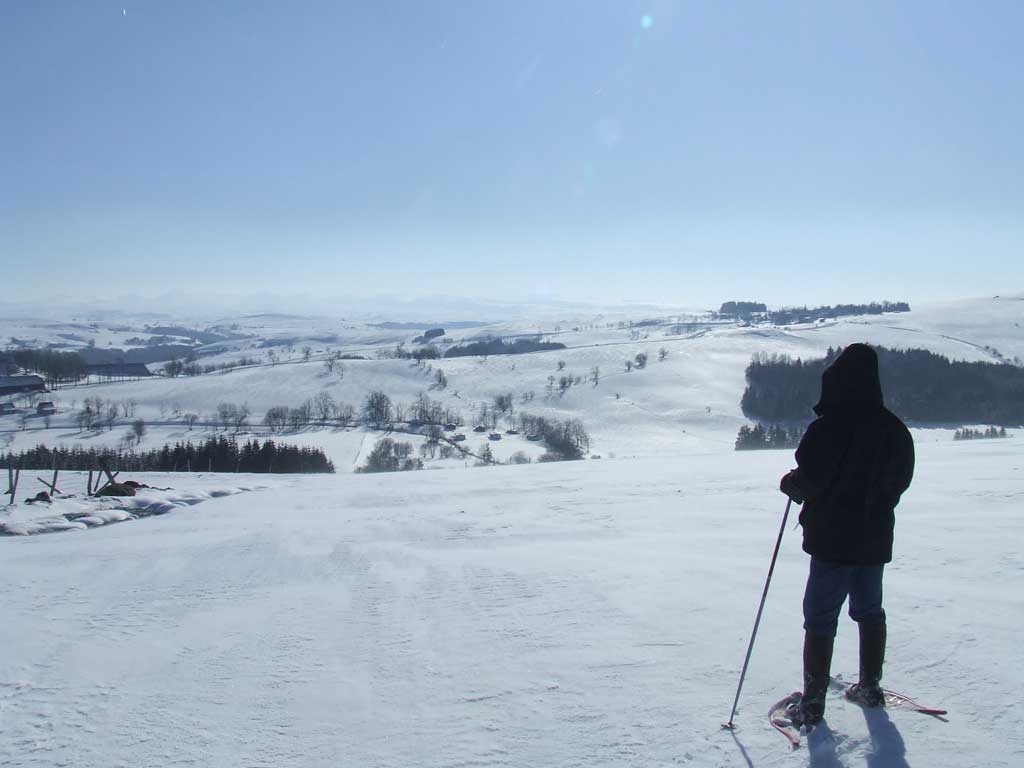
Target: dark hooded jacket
853,464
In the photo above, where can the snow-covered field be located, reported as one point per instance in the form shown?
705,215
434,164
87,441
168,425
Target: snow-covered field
590,613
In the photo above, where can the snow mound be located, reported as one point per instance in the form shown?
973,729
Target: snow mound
75,513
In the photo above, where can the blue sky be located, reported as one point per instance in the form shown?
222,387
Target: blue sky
653,151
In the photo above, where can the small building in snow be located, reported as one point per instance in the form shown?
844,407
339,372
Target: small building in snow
45,408
17,385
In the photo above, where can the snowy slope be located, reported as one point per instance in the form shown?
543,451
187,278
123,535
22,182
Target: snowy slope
688,403
585,614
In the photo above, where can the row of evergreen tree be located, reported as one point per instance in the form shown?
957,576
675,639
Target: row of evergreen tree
793,315
979,434
919,386
217,454
773,436
501,347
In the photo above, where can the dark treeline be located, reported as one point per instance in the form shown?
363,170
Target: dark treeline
54,367
979,434
217,454
391,456
919,386
189,367
804,315
773,436
742,308
565,440
500,347
97,356
203,337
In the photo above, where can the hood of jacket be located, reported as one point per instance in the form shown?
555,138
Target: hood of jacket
851,384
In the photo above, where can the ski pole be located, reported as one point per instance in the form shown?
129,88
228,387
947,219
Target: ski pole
782,529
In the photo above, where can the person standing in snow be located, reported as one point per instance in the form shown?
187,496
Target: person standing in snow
853,464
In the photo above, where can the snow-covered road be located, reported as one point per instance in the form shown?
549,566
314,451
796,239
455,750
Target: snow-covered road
585,614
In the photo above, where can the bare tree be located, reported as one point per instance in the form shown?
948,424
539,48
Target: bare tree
662,354
641,360
343,413
138,430
323,405
434,436
306,352
301,416
110,415
629,366
276,417
377,409
332,361
190,419
226,414
595,375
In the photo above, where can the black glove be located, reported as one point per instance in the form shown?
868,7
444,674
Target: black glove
788,486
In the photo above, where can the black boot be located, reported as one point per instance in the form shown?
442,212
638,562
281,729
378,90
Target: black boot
817,662
868,692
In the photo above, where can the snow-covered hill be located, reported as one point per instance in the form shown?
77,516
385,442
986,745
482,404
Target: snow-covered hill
687,403
588,613
585,613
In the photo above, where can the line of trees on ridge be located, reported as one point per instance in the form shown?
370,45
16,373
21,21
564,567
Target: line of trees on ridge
216,454
919,386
